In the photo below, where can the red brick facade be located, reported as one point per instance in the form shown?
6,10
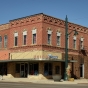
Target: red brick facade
42,23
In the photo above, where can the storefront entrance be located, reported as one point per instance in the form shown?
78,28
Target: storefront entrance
82,70
26,68
23,69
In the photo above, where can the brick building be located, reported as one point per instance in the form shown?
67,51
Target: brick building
34,47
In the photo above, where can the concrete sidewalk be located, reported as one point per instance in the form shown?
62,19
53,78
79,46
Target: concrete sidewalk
47,81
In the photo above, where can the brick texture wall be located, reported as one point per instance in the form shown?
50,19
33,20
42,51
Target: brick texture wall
42,23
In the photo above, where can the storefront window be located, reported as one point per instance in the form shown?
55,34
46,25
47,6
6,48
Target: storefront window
33,68
17,68
47,69
57,69
3,69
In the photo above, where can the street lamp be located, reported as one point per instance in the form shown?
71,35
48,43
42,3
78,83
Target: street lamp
66,46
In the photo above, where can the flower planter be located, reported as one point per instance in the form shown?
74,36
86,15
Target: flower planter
56,77
71,79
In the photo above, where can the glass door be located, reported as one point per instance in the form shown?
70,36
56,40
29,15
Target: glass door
22,70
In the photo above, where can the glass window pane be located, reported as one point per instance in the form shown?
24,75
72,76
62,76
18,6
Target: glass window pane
57,69
49,38
33,68
17,68
47,69
16,39
34,38
81,44
74,43
5,41
24,39
58,40
0,41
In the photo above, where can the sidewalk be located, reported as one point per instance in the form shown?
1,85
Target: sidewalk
47,81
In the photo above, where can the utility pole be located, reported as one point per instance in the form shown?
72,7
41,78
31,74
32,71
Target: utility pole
66,47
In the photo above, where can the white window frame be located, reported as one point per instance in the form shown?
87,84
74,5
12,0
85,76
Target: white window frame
74,42
1,42
49,40
15,36
58,39
25,34
82,43
5,41
34,32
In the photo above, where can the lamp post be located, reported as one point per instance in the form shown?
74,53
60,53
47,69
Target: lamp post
66,46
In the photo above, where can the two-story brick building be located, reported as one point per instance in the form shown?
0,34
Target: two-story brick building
34,47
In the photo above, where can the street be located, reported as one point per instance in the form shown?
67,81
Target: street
33,85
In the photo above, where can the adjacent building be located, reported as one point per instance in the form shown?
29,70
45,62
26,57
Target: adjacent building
34,47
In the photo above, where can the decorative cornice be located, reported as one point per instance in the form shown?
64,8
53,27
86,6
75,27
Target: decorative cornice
52,20
4,26
61,23
26,20
43,18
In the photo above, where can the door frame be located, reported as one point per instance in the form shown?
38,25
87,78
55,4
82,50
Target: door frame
82,70
24,71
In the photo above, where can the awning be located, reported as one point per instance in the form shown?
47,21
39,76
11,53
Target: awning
37,60
1,61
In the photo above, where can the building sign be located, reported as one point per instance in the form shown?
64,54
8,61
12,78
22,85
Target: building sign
52,57
47,57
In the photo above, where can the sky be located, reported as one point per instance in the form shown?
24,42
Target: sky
76,10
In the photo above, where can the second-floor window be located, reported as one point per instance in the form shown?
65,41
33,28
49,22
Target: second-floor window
24,37
15,39
5,41
58,38
74,42
68,41
34,36
49,36
81,43
0,42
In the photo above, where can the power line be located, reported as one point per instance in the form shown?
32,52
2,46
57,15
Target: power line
78,18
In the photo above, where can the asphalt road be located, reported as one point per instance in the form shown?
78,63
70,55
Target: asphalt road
33,85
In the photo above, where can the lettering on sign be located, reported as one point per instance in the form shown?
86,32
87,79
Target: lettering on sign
52,57
48,57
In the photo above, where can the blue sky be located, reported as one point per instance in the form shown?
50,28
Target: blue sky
76,10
